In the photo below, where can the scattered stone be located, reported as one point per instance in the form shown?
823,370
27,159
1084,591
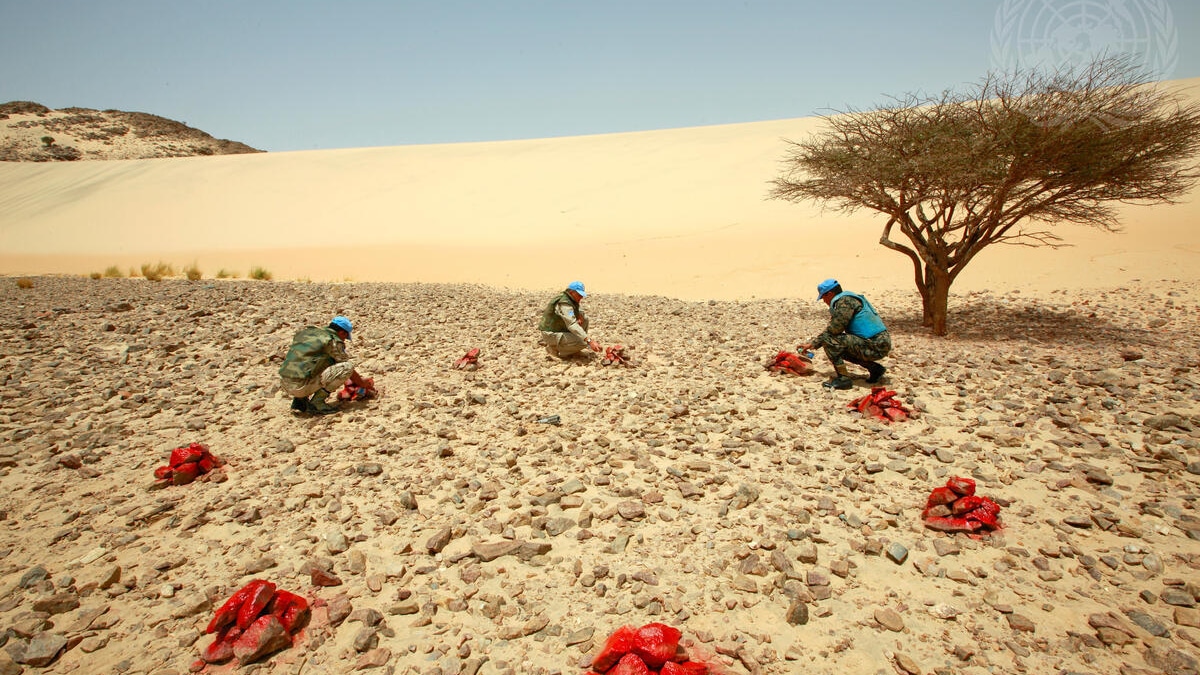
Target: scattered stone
1177,597
797,613
336,542
889,619
43,649
1020,622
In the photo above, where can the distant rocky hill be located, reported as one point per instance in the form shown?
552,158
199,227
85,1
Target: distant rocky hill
31,132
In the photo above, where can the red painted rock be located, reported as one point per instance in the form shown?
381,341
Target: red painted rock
185,474
617,645
221,649
685,668
882,405
228,612
189,453
956,508
630,664
290,609
265,636
656,643
788,362
471,358
255,603
962,486
186,463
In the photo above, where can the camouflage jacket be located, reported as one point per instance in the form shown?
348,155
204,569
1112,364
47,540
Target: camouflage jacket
840,315
313,350
563,314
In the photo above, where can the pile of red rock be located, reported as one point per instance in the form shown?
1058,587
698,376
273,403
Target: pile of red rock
185,464
615,356
651,649
351,392
469,361
255,621
789,362
881,404
956,508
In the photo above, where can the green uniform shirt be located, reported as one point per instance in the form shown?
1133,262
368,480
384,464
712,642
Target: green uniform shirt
563,315
313,350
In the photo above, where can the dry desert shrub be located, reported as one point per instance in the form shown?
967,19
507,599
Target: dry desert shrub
192,272
96,275
113,272
260,273
158,271
24,282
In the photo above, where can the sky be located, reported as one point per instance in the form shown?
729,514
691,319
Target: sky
284,75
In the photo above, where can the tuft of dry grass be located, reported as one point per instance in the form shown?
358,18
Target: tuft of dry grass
96,275
260,273
192,272
113,272
226,274
24,282
157,272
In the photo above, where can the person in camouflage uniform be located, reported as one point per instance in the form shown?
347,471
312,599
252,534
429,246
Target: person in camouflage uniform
855,333
564,325
317,364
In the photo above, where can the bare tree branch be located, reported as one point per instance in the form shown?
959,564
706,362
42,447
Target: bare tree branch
961,171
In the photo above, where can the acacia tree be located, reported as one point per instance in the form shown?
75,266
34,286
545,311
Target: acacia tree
998,163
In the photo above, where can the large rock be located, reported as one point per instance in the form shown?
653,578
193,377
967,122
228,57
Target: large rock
43,649
265,636
489,551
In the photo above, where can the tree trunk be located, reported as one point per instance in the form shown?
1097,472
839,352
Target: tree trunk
935,298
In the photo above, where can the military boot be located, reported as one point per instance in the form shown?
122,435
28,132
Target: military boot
840,380
299,404
876,371
317,404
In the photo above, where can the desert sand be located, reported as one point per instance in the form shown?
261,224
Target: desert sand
779,530
680,213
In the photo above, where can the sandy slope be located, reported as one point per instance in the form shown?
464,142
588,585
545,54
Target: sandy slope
679,213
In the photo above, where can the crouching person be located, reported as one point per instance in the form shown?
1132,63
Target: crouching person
317,364
564,326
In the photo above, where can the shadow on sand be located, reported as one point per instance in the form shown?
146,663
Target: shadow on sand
1004,322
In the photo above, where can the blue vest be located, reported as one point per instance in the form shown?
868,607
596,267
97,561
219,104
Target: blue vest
866,323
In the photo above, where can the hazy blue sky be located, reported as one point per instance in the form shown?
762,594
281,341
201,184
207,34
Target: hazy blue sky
307,74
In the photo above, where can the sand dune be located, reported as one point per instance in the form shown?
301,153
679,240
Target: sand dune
680,213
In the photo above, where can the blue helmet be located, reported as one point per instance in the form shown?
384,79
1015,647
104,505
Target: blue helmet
342,323
826,286
577,286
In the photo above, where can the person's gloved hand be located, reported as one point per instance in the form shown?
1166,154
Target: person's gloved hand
594,346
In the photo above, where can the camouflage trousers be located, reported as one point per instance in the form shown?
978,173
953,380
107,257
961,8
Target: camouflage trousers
847,347
563,345
330,379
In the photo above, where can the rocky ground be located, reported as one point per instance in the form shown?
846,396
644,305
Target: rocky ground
86,134
778,530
